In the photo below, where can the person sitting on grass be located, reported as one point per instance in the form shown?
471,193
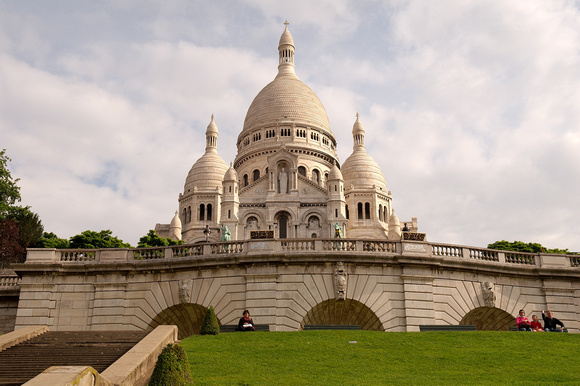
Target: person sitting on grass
523,322
550,323
536,325
246,323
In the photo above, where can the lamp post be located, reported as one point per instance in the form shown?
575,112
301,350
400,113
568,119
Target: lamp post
206,232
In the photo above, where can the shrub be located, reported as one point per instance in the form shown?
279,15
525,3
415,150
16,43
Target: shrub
172,368
210,325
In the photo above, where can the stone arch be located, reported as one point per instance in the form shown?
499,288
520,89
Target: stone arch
489,319
187,317
343,312
284,220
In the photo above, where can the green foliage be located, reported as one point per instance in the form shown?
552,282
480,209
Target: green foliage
96,240
172,368
9,190
11,251
210,325
520,246
152,239
29,225
379,358
50,240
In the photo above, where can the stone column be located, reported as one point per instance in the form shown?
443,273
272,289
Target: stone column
261,295
560,300
418,295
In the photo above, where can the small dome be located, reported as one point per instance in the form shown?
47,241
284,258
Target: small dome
360,169
394,220
207,173
176,222
286,37
231,174
335,173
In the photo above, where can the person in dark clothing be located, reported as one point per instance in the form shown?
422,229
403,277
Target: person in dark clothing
550,323
246,323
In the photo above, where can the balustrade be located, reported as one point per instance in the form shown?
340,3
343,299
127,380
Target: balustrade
379,246
483,254
185,251
148,253
520,258
9,281
227,247
446,250
575,261
78,255
298,245
339,245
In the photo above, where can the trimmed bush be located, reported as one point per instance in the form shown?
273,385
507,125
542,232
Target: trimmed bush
210,325
172,368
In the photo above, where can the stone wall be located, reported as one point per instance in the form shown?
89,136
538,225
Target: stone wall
389,286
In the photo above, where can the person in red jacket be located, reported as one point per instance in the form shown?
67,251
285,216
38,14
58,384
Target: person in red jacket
536,325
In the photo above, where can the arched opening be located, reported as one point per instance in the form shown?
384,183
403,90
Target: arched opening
302,171
360,211
256,175
489,319
346,210
245,180
367,210
283,219
316,176
187,317
343,312
209,212
201,212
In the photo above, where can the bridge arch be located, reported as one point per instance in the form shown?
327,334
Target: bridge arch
187,317
489,319
343,312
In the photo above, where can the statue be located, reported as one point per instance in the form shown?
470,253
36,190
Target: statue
487,290
185,290
283,181
337,235
226,233
340,279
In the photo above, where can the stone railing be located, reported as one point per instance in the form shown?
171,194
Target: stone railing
354,248
9,281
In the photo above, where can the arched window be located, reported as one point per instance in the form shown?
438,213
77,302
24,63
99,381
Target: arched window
230,188
380,212
336,213
347,214
245,180
209,217
360,211
325,177
316,176
229,213
184,217
302,170
385,217
201,212
367,210
188,217
256,175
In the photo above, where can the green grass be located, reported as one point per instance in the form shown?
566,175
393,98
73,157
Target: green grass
327,357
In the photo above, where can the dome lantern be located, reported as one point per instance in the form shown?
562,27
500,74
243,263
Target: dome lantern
211,135
358,133
286,52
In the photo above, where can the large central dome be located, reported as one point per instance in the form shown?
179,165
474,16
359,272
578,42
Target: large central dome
286,99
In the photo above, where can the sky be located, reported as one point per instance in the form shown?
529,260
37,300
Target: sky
471,108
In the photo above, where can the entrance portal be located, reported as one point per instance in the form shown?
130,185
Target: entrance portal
489,319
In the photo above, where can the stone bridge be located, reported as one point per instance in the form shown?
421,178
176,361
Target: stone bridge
286,284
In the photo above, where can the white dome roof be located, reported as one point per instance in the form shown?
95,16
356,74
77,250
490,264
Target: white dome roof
360,169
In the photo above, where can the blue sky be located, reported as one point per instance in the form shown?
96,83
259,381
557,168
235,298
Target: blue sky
471,108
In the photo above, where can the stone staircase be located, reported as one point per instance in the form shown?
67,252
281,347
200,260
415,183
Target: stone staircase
98,349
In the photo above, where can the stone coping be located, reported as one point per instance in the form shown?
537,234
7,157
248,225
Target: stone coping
139,361
20,335
68,375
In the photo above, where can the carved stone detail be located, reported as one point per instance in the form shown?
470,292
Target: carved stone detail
487,289
340,280
185,290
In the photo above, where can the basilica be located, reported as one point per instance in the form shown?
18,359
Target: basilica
286,177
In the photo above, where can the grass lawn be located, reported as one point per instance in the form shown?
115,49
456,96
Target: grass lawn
329,357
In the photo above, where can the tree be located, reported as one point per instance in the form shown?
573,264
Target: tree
29,225
152,239
210,324
520,246
51,240
9,190
172,367
11,251
96,240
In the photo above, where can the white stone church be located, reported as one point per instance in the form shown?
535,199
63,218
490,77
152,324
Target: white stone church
286,177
